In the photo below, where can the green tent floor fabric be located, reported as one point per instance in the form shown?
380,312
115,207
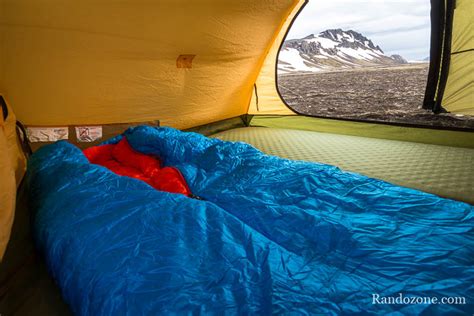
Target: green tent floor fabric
366,129
442,170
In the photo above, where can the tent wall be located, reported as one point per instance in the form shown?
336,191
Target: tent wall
266,99
7,192
2,49
12,168
459,93
96,62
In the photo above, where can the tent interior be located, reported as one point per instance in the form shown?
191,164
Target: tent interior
203,66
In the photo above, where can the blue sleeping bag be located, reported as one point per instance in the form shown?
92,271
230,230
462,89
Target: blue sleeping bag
272,236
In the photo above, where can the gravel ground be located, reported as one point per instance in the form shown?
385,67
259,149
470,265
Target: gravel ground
392,94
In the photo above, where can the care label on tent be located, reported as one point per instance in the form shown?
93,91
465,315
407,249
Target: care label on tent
47,134
87,134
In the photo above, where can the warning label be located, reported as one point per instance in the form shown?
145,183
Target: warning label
47,134
87,134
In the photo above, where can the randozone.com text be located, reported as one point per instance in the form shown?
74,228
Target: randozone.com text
406,300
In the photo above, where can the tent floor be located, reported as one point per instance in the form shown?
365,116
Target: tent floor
25,286
441,170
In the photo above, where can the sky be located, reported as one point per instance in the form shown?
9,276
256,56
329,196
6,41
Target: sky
397,26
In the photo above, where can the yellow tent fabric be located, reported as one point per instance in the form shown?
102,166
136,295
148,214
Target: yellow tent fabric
12,168
459,93
97,62
266,99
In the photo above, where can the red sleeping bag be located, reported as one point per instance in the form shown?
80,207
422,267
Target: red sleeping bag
123,160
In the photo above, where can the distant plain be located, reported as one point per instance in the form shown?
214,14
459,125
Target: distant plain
379,94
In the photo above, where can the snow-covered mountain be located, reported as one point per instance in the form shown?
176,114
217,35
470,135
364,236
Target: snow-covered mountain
333,49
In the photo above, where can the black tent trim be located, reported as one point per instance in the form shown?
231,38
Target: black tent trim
451,5
3,104
436,47
23,138
442,16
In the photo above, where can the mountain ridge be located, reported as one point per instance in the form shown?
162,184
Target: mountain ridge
333,49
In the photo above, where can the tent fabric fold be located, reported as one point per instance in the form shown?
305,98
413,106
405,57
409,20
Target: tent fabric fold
12,169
